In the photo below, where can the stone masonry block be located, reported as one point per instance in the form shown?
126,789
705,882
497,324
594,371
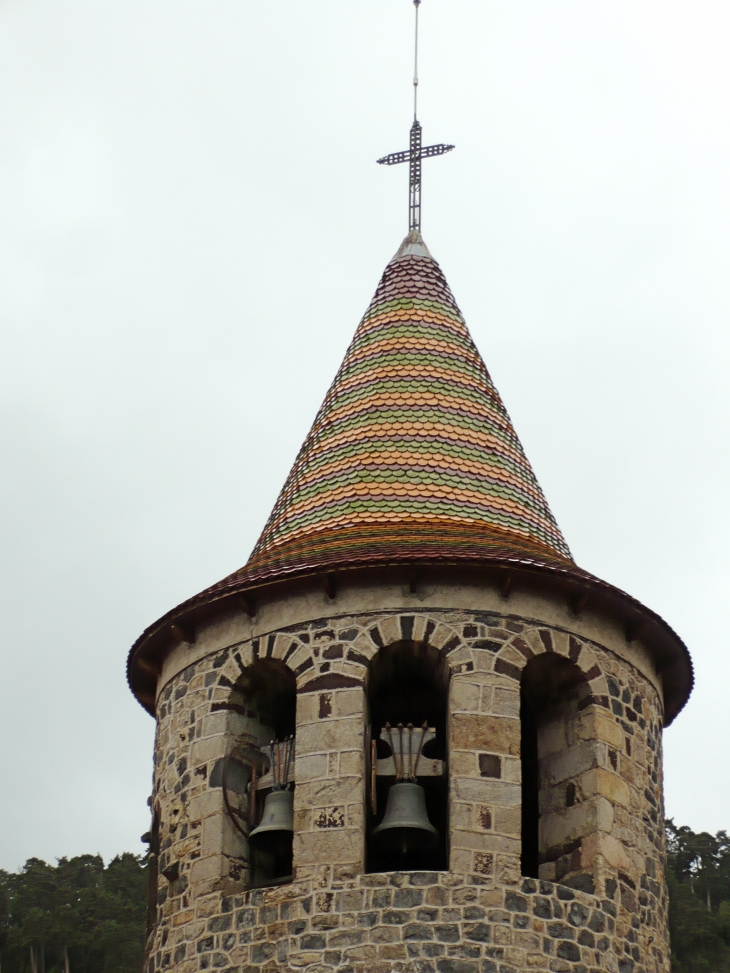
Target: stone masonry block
511,655
604,846
464,695
349,702
594,726
512,769
326,792
495,734
329,735
571,762
506,702
485,791
206,869
508,820
307,708
209,802
472,840
211,748
310,767
560,828
390,629
464,764
611,786
352,762
332,846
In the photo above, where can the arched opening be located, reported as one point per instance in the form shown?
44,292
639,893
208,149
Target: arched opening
551,690
407,699
257,774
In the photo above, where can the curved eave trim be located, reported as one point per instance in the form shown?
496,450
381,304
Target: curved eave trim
669,652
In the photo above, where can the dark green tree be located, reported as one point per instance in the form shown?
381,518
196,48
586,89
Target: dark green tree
74,917
698,876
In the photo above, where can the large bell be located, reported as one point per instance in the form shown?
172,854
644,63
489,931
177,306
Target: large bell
271,842
278,814
405,827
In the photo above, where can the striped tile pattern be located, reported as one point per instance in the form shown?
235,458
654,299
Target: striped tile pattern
413,438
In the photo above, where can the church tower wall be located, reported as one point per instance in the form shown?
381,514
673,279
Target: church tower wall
599,899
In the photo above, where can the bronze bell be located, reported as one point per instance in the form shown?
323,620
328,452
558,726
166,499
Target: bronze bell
405,827
278,815
272,841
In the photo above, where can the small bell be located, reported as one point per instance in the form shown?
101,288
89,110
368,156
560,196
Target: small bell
405,827
272,841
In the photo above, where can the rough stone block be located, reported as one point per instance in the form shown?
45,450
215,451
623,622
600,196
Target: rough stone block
606,846
336,846
486,791
349,702
465,695
310,767
326,735
611,786
559,829
464,764
307,708
206,869
492,733
352,762
569,763
508,820
506,702
208,749
320,793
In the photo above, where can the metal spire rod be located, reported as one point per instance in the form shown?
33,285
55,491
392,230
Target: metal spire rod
416,4
416,152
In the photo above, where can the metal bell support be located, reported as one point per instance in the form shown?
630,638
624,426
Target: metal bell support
405,827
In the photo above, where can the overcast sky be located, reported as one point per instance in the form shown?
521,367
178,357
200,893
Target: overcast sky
191,226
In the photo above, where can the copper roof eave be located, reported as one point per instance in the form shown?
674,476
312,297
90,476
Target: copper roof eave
669,652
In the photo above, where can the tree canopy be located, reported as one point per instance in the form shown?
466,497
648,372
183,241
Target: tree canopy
76,916
698,876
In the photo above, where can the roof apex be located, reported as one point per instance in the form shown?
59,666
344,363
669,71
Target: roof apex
412,246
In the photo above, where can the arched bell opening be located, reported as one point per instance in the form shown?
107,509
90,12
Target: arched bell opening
257,774
407,816
552,689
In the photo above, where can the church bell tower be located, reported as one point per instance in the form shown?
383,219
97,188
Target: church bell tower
410,734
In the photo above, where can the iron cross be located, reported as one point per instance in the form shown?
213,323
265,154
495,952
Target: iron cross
414,155
417,152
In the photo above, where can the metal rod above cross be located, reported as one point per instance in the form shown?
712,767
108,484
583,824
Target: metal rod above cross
416,153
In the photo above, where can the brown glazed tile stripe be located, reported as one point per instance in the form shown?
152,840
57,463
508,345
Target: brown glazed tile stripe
424,540
412,453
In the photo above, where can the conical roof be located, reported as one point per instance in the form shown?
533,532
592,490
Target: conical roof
412,461
412,453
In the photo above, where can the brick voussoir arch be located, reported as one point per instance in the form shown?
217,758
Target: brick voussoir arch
517,651
374,634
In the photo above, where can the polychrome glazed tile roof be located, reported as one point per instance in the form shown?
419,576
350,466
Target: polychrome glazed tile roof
412,453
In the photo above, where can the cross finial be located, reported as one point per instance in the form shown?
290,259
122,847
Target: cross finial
416,152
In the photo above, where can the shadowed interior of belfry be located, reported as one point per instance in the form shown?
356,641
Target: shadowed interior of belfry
408,691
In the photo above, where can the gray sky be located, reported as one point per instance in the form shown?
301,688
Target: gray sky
192,224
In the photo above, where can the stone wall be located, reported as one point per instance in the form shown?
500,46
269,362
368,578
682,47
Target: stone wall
481,916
